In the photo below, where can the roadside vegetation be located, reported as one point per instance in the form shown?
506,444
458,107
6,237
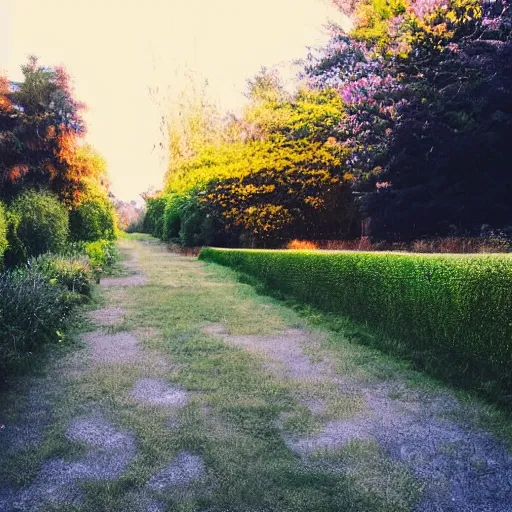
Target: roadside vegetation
57,224
278,410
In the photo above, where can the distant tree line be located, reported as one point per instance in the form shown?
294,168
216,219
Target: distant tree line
401,126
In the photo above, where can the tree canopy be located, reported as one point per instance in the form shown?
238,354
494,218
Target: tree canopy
403,122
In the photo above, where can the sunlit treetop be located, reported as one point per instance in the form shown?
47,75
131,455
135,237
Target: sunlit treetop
41,127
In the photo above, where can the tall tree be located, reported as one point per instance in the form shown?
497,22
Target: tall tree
40,124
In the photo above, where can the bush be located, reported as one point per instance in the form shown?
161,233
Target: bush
3,233
198,225
192,223
172,216
102,253
38,223
73,273
154,218
452,313
95,219
16,252
32,312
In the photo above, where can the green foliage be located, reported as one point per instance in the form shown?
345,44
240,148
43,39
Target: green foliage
280,177
191,220
451,312
102,253
198,225
294,191
172,216
373,17
38,223
33,310
73,273
154,219
94,219
15,252
3,233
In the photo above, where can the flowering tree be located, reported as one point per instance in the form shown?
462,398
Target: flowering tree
427,88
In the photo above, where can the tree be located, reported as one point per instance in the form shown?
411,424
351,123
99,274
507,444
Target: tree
427,88
40,124
288,180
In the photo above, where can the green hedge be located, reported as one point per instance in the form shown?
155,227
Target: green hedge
452,313
172,216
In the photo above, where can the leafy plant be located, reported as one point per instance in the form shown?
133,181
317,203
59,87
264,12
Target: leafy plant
3,233
102,253
154,218
38,224
93,219
74,273
32,311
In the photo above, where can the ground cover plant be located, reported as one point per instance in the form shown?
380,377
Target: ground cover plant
451,314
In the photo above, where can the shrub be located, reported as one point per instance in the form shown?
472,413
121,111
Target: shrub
102,253
32,312
3,233
95,219
73,273
38,223
451,312
154,218
172,215
198,225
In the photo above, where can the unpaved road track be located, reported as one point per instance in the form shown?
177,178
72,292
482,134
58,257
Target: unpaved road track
189,392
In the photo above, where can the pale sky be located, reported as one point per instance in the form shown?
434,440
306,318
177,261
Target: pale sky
116,49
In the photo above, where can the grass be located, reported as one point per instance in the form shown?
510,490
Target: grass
232,419
449,314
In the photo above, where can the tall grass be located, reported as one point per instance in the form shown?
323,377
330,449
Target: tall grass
452,314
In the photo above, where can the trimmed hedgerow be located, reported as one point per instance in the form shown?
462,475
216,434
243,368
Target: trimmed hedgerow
451,313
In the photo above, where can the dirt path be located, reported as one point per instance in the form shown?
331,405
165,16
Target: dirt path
189,392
